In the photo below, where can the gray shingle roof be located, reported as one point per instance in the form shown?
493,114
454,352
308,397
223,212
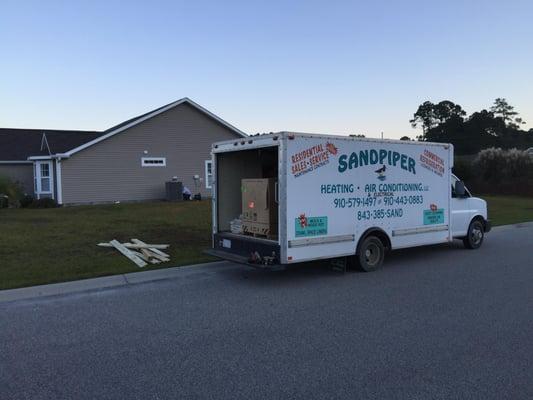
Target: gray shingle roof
19,144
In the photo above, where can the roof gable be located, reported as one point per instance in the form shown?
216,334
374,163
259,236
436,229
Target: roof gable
21,144
141,118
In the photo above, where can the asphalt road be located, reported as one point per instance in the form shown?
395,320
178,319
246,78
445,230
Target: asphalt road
438,322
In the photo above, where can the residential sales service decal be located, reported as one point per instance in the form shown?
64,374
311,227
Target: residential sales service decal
312,158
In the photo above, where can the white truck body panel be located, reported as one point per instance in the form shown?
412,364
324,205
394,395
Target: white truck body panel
350,185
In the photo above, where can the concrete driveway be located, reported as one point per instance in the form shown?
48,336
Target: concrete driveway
438,322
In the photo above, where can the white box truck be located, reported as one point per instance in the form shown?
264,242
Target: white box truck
339,196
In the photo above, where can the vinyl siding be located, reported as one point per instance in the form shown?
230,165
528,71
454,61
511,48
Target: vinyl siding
21,173
111,170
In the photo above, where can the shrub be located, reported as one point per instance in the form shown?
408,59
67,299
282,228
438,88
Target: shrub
495,164
503,172
11,189
26,201
43,203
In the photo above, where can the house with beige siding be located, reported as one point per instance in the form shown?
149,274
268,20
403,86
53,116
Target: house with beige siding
128,162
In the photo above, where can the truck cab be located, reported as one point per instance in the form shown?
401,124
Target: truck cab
469,220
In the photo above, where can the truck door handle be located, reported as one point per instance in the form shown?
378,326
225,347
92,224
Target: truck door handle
276,194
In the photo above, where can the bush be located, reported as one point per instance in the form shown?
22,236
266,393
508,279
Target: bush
495,164
26,201
16,197
11,189
43,203
503,172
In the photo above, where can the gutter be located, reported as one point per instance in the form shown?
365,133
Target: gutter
58,156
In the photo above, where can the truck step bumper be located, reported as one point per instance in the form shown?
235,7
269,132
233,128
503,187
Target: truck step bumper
243,260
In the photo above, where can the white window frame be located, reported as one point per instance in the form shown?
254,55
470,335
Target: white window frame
163,162
208,163
37,178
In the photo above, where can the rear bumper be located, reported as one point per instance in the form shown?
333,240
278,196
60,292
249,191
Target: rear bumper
224,255
251,251
488,225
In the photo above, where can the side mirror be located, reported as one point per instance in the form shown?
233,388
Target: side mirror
460,189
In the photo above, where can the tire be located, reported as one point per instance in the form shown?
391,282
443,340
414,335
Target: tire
371,254
475,235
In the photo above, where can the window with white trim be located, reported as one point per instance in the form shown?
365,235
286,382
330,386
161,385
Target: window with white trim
208,173
42,178
153,162
45,178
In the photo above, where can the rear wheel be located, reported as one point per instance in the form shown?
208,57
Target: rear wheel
475,235
371,254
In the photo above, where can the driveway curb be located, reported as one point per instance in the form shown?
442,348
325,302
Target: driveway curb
104,282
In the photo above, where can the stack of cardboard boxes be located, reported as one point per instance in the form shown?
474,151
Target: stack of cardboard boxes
259,207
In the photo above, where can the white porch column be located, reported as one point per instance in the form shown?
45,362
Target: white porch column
58,180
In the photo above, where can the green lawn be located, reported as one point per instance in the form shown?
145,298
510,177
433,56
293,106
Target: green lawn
505,210
52,245
55,245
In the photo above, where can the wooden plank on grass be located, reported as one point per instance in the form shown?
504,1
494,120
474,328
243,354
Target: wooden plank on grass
157,256
117,245
150,257
146,253
139,254
152,249
137,246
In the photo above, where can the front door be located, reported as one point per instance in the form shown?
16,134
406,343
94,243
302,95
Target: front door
460,212
43,179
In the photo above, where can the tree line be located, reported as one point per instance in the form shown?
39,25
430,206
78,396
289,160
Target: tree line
447,122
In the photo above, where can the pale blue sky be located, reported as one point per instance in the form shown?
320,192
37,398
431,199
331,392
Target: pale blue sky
328,66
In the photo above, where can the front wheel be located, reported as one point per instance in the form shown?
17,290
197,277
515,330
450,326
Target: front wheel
371,254
475,235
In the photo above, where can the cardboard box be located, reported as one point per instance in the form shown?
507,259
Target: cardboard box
259,229
259,207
